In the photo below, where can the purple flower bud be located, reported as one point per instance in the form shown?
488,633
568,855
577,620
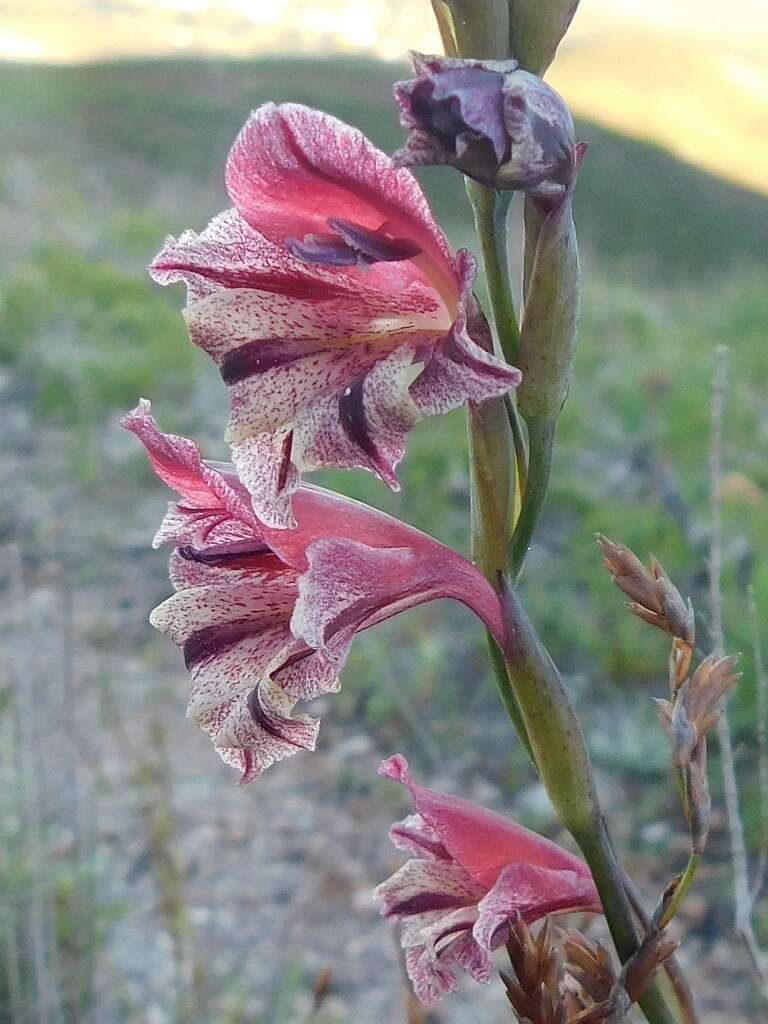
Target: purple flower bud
494,122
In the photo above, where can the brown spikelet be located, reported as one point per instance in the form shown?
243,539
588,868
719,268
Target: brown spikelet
590,965
594,994
652,595
534,991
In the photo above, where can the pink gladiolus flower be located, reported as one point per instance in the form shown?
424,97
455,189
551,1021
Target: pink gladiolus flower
264,616
472,871
331,304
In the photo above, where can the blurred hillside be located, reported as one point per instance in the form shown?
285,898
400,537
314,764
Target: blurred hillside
151,847
635,201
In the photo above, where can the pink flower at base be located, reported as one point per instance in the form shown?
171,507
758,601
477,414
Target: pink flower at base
472,871
331,304
264,616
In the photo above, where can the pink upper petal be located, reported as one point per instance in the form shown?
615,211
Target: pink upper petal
480,840
292,169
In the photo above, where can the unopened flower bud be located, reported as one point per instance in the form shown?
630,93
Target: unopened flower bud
500,125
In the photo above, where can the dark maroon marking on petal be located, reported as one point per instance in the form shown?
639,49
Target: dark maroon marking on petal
360,612
201,512
294,659
213,640
355,424
430,845
458,354
255,357
247,763
326,250
375,246
265,722
426,901
285,462
289,283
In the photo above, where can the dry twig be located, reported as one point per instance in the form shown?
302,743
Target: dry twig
741,893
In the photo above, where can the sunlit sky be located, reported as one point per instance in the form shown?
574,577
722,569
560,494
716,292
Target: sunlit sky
690,74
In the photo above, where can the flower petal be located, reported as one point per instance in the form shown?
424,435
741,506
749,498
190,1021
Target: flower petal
209,498
314,383
350,586
414,835
292,169
533,892
481,841
423,886
230,254
460,370
244,665
431,981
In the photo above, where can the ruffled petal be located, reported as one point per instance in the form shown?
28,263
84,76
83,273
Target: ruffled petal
247,670
209,498
314,383
533,892
431,981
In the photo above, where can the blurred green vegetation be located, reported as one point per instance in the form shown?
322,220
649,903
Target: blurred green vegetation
119,155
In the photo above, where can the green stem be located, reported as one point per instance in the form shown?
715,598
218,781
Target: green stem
533,694
610,881
561,753
541,448
683,886
490,209
509,699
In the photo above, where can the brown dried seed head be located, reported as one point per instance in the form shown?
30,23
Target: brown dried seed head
699,801
653,596
590,965
534,992
697,705
709,684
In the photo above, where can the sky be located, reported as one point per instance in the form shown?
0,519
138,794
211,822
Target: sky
689,74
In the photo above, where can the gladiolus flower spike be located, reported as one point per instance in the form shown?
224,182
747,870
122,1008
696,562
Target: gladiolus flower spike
331,304
471,874
264,616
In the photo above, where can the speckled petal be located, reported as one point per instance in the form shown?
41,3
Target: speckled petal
236,640
459,370
292,169
533,892
350,586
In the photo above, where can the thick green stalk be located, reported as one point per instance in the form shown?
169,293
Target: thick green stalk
561,753
537,703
